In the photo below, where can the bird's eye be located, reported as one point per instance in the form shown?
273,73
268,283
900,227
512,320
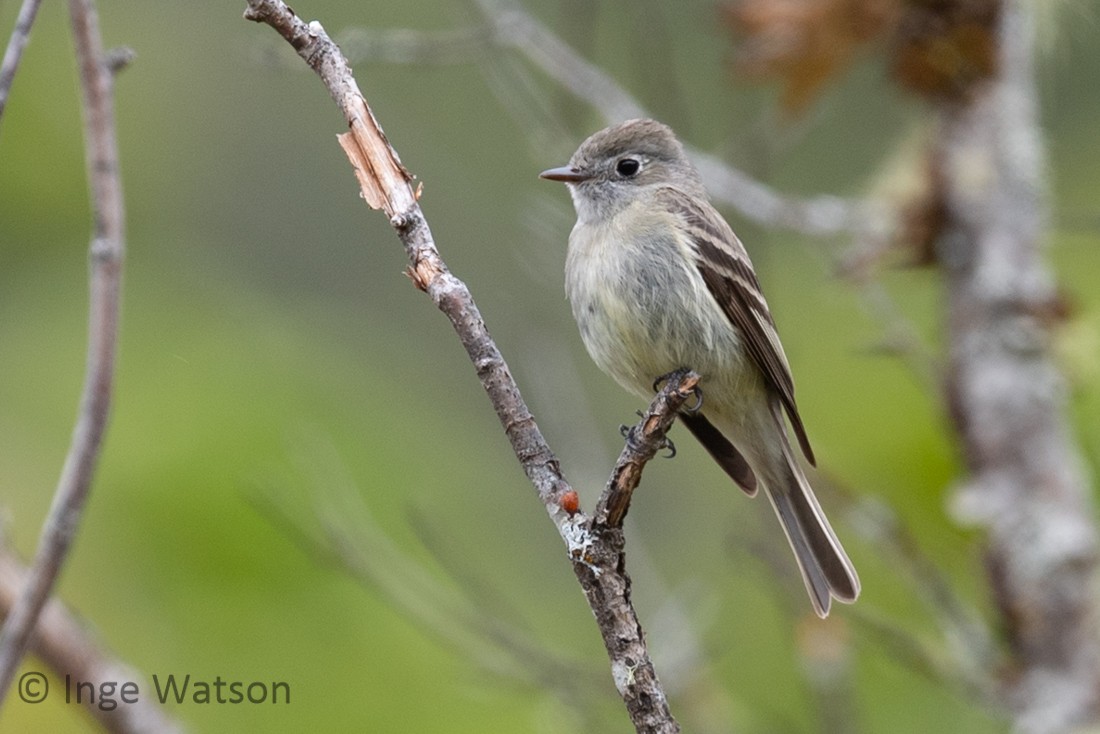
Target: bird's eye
627,167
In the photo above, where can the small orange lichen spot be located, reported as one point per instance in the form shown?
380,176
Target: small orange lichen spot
419,190
570,502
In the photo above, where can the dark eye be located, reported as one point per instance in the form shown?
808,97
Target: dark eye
627,167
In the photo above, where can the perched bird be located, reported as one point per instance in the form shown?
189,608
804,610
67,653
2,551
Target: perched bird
657,282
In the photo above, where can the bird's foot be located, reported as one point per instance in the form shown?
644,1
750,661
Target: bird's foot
696,391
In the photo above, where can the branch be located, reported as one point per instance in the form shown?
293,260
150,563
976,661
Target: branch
596,551
62,641
643,441
900,337
1027,485
510,26
820,215
20,36
966,655
336,528
517,29
105,285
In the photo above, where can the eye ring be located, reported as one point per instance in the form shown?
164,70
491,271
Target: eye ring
627,167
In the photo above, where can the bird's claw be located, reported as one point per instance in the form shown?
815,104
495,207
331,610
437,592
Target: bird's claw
678,372
667,444
697,392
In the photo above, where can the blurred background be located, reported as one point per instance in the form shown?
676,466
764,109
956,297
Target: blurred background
279,379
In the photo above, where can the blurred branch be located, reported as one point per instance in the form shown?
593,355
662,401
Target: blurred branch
63,643
582,19
13,54
932,662
826,657
458,46
595,545
520,31
509,26
961,656
338,528
967,656
107,247
900,337
1027,484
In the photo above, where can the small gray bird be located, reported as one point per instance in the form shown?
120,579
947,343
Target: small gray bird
658,281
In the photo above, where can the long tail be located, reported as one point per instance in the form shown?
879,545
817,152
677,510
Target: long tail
825,567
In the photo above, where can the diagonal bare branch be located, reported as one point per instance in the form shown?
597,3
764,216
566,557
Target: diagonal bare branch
595,548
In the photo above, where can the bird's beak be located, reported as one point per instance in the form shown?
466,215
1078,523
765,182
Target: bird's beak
567,174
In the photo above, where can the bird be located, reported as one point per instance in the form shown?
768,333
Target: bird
657,282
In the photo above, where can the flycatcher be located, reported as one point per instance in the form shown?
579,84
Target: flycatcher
658,281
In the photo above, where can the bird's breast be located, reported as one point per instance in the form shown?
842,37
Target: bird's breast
643,308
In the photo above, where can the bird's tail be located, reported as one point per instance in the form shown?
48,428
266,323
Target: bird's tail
825,567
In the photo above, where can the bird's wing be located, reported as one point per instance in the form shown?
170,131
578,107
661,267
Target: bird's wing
726,269
721,450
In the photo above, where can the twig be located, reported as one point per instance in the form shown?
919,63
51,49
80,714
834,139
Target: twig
826,656
512,27
900,337
337,528
597,556
970,657
821,215
458,46
642,444
62,641
107,247
930,661
1027,483
517,29
818,216
13,54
